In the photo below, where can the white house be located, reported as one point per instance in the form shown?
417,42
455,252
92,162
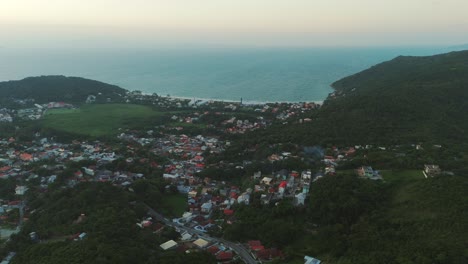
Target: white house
168,245
206,207
20,190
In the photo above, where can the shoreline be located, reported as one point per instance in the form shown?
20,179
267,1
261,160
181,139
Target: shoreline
245,102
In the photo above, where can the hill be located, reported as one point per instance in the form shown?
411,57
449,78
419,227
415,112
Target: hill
108,217
46,89
405,99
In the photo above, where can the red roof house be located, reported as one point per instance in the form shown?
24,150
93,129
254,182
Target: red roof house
255,245
213,250
225,255
228,212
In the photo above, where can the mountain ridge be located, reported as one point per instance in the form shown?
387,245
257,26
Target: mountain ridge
424,95
44,89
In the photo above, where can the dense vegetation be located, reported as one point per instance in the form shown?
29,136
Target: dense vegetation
351,220
405,100
408,98
110,224
46,89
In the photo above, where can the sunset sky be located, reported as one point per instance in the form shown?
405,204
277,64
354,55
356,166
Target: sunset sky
146,23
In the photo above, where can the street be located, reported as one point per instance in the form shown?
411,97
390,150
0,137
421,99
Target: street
240,250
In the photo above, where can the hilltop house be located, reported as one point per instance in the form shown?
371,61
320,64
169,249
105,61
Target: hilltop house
431,170
368,172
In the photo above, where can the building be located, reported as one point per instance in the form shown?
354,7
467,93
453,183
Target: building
311,260
300,199
206,207
20,190
365,171
431,170
282,187
168,245
224,256
257,175
266,180
201,243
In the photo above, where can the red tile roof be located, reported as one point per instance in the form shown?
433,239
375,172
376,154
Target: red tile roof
228,212
26,156
253,243
5,168
224,255
213,250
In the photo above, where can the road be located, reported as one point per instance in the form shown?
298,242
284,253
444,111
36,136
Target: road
239,249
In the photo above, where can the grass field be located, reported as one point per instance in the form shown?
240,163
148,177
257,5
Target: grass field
398,176
175,205
99,119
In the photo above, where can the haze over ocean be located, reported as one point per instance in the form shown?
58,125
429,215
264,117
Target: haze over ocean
271,74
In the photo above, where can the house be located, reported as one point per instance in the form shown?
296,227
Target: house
255,245
20,190
268,254
367,172
193,193
78,174
306,175
206,207
168,245
228,212
282,187
266,180
186,236
26,157
90,99
257,175
244,198
82,236
431,170
201,243
224,256
170,177
311,260
88,171
300,199
213,250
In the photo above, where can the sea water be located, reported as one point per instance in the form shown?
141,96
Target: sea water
253,74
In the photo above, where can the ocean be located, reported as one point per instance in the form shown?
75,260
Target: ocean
255,74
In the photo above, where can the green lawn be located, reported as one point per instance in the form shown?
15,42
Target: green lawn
175,204
99,119
397,176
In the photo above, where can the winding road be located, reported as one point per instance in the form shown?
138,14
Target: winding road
241,251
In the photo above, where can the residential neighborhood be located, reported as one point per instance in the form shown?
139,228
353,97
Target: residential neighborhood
189,166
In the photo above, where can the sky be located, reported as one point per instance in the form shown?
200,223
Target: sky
152,23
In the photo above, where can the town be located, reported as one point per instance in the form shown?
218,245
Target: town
187,165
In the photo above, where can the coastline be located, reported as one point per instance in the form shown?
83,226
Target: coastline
245,102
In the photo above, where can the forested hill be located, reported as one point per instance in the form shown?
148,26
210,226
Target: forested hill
407,99
428,74
46,89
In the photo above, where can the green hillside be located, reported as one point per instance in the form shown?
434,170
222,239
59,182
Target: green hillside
405,99
46,89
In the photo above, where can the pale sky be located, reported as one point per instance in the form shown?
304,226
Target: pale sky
146,23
